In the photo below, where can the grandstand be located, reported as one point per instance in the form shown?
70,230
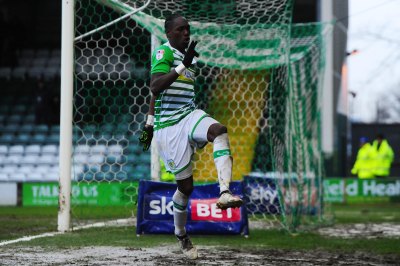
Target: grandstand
29,149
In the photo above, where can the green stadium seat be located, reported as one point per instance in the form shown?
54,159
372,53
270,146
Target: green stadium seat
11,128
55,129
23,139
29,119
41,129
53,139
7,139
14,119
38,139
19,109
26,128
4,109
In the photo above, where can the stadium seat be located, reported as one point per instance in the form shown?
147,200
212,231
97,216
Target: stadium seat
77,169
3,176
51,176
50,72
36,72
7,138
33,149
4,109
13,159
41,129
26,129
26,169
49,149
19,109
39,62
19,72
115,150
98,149
9,169
48,159
34,176
42,53
55,129
22,139
96,159
42,169
3,149
14,119
39,139
28,53
82,149
80,158
31,159
5,73
17,177
24,61
11,128
29,119
16,149
53,139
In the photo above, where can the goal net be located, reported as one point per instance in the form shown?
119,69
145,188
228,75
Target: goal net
258,74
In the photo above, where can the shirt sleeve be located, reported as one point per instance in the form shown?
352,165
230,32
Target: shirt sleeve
162,60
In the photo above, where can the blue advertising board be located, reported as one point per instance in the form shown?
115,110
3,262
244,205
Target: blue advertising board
261,195
155,210
265,195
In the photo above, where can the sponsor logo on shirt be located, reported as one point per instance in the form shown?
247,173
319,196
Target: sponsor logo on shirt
188,74
159,54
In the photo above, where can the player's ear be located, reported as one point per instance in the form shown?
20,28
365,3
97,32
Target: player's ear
168,33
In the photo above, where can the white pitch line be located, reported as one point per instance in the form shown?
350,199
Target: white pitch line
119,222
28,238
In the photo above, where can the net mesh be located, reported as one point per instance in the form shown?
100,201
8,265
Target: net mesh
258,74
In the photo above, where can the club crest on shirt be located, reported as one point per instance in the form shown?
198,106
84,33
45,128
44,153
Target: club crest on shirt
171,164
159,54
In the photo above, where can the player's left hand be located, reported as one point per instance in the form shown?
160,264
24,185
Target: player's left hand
146,136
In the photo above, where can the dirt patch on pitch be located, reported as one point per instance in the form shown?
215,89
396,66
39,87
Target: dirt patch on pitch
369,231
170,255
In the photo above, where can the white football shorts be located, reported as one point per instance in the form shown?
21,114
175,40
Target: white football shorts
177,143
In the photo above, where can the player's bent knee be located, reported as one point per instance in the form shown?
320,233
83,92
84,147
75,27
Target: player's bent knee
187,190
186,186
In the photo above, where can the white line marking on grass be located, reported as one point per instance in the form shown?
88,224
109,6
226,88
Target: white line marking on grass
119,222
28,238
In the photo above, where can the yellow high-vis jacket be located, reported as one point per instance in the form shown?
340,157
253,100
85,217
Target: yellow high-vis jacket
383,158
364,166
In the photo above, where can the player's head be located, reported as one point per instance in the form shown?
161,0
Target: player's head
177,30
380,137
363,140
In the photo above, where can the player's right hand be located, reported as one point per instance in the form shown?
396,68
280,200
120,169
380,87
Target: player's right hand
146,136
190,54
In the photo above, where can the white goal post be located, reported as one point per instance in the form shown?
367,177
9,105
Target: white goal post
66,112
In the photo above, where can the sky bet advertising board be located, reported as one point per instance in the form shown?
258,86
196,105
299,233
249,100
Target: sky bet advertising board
155,210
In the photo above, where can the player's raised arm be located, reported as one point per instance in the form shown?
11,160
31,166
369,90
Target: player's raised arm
161,81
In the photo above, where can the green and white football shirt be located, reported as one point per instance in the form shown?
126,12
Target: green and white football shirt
177,101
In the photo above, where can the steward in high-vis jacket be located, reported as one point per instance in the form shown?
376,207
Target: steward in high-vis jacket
364,166
382,155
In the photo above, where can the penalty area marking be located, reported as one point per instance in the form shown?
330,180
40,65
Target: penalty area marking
119,222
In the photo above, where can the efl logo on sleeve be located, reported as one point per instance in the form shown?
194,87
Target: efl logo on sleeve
207,210
159,54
